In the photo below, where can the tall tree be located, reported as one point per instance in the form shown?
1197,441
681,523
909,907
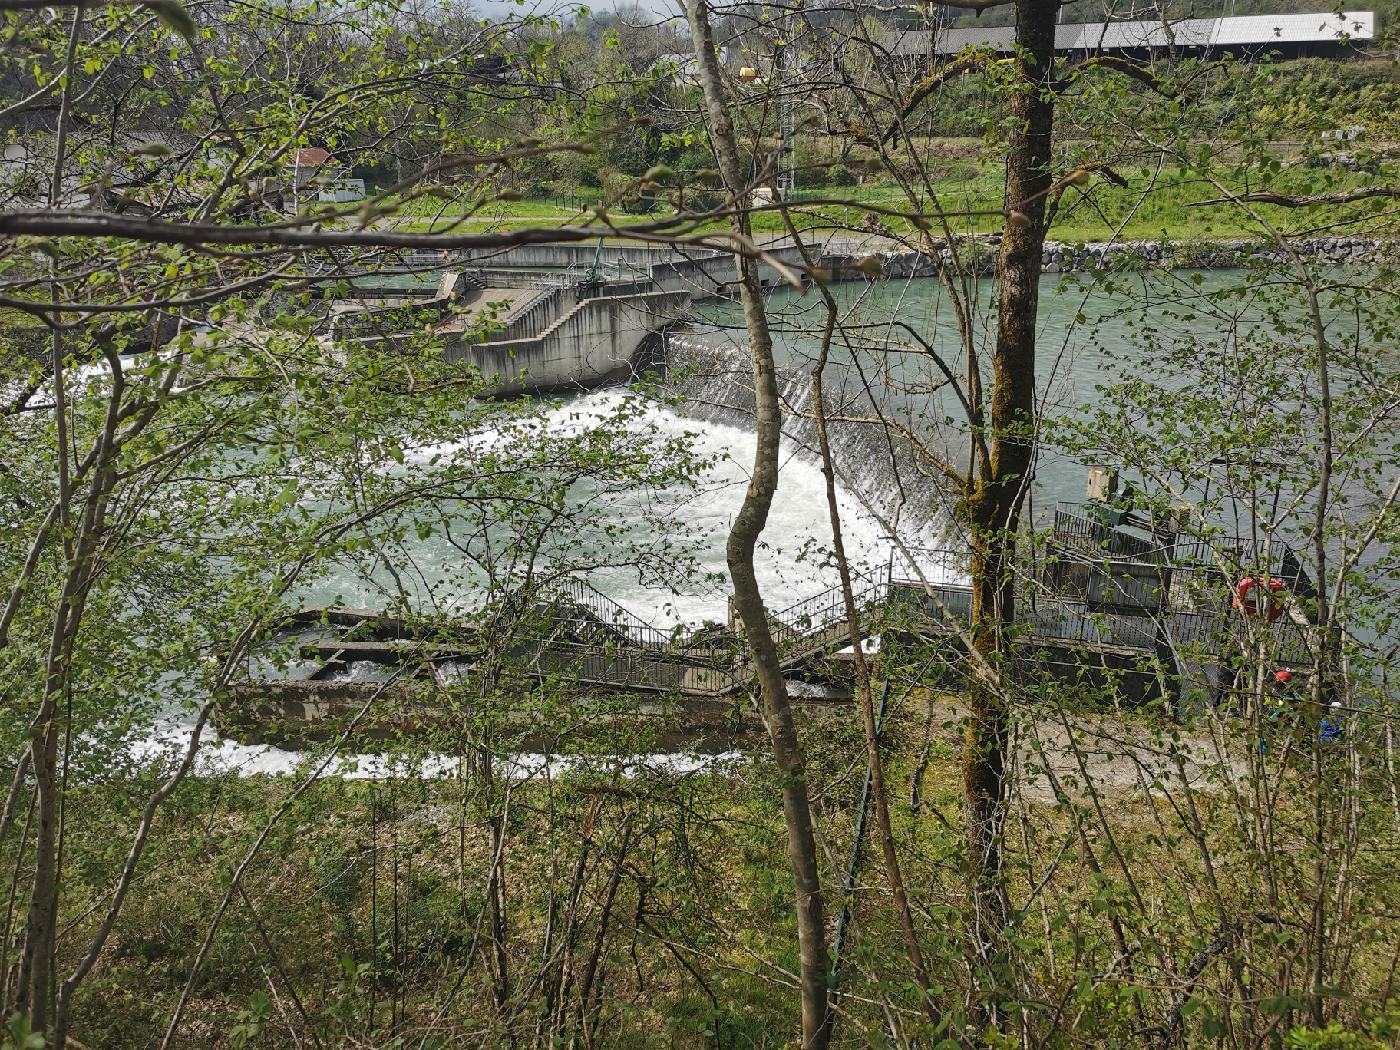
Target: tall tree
744,535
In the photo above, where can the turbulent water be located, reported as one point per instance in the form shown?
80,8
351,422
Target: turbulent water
793,561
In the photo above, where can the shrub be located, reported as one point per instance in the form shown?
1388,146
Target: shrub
840,175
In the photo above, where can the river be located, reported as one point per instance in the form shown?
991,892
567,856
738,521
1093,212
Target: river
1085,336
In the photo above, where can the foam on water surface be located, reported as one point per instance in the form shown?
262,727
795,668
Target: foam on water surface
793,560
221,756
793,564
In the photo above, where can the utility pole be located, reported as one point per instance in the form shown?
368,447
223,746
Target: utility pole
787,110
787,150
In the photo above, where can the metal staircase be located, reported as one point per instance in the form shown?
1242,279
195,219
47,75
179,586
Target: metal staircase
817,625
596,641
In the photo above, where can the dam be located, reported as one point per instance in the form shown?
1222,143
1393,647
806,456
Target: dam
1135,620
538,319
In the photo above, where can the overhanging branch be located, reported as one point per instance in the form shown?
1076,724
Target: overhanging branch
927,87
65,223
1134,70
1285,201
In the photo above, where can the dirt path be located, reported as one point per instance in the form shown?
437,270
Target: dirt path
1117,755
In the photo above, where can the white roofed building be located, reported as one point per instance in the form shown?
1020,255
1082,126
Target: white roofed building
1327,33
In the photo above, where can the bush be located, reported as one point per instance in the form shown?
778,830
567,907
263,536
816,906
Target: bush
840,175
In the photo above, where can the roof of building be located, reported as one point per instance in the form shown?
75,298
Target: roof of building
1190,33
312,157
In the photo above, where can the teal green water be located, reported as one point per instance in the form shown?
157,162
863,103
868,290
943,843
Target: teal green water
1088,335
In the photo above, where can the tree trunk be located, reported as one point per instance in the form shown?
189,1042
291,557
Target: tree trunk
995,497
743,538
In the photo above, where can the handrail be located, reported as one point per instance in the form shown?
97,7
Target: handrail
588,635
642,669
608,643
812,618
612,626
1076,531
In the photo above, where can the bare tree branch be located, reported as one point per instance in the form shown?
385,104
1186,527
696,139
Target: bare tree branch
1284,201
1136,70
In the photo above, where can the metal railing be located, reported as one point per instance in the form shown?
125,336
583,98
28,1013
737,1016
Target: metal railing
529,318
582,616
1098,539
917,565
637,669
573,594
819,611
608,289
1074,531
598,640
1050,619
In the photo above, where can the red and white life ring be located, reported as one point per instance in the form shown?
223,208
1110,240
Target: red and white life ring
1257,596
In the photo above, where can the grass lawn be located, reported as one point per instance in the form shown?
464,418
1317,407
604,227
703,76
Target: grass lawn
1153,205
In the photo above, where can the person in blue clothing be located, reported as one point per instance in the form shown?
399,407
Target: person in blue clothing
1331,727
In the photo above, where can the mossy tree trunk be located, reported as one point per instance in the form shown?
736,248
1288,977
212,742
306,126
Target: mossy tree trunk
996,494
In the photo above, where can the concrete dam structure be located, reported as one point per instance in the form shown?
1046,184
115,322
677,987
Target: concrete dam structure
543,318
526,331
548,318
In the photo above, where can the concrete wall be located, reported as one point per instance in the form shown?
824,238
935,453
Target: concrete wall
595,342
672,269
569,256
707,275
536,316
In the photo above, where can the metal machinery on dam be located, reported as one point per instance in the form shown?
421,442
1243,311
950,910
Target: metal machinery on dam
1113,602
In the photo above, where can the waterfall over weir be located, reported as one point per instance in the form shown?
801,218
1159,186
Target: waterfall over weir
879,493
712,381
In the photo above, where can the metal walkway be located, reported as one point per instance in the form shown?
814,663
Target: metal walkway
580,636
592,640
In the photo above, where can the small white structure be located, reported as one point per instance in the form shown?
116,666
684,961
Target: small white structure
679,66
341,190
307,164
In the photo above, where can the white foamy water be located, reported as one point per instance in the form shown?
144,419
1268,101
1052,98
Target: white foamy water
219,756
793,564
793,561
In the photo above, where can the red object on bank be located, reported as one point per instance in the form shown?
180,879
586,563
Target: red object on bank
1256,596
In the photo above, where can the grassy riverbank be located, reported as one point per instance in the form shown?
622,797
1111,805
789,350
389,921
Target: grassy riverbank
480,910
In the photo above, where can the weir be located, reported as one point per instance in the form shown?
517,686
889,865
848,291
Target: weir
1135,623
876,463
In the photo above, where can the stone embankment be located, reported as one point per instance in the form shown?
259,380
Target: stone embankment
979,256
1211,255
